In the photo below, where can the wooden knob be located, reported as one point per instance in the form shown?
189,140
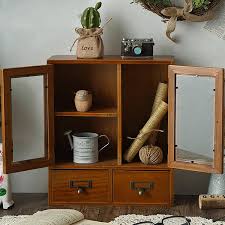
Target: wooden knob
141,191
80,190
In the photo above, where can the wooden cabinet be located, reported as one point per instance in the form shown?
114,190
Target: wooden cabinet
123,94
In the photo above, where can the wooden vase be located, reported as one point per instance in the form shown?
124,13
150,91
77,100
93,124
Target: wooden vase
83,101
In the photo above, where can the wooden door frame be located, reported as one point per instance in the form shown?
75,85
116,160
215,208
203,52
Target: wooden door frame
6,75
219,104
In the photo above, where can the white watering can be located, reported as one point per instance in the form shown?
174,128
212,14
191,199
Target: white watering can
85,146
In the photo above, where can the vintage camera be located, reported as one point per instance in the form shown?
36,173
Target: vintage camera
137,47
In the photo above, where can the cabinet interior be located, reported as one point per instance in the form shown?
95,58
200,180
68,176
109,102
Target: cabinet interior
138,94
122,102
108,126
101,80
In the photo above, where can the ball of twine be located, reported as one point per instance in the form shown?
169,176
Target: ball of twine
158,7
151,155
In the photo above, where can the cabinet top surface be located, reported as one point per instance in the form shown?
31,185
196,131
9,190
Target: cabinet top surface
72,59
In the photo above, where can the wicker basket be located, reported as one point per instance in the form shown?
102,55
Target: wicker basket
157,8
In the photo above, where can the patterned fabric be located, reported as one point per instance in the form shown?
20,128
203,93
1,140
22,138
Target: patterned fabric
132,218
11,220
121,220
46,217
5,187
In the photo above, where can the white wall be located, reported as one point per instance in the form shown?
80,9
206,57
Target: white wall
33,30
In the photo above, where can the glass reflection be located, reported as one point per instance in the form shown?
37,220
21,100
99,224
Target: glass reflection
195,116
28,117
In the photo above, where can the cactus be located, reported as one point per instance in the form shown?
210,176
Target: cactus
91,17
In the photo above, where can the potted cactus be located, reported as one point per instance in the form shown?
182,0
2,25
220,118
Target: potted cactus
91,17
89,42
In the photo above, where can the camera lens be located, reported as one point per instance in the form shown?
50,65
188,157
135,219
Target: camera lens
137,50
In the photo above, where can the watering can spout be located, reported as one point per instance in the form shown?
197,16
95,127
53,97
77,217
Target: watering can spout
68,134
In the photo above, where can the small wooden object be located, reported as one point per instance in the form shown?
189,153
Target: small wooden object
83,100
211,201
151,155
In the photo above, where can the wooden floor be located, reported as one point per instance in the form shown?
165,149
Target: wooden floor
186,206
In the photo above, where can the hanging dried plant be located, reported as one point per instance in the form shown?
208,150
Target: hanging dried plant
192,11
200,7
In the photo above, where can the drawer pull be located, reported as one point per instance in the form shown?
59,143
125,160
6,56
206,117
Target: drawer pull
80,190
141,187
141,191
81,185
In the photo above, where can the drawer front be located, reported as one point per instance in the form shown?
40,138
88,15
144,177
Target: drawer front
141,187
80,186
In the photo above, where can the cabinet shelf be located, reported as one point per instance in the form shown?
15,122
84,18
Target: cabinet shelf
110,163
107,163
141,166
96,112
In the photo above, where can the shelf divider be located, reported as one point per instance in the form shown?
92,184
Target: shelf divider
96,112
119,111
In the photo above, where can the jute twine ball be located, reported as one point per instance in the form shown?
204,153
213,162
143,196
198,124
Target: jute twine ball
151,155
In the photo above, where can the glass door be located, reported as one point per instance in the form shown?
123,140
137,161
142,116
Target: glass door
196,119
27,118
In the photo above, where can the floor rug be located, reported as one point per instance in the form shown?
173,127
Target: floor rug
124,220
132,219
10,220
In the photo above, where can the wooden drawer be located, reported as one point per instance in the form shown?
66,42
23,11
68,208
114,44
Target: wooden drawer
94,186
141,187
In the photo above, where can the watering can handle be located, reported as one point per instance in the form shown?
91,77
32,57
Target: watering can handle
108,141
67,133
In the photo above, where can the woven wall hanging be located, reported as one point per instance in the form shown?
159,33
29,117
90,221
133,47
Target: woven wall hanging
192,11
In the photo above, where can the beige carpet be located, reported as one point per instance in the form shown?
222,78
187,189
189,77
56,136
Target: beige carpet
121,220
132,219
